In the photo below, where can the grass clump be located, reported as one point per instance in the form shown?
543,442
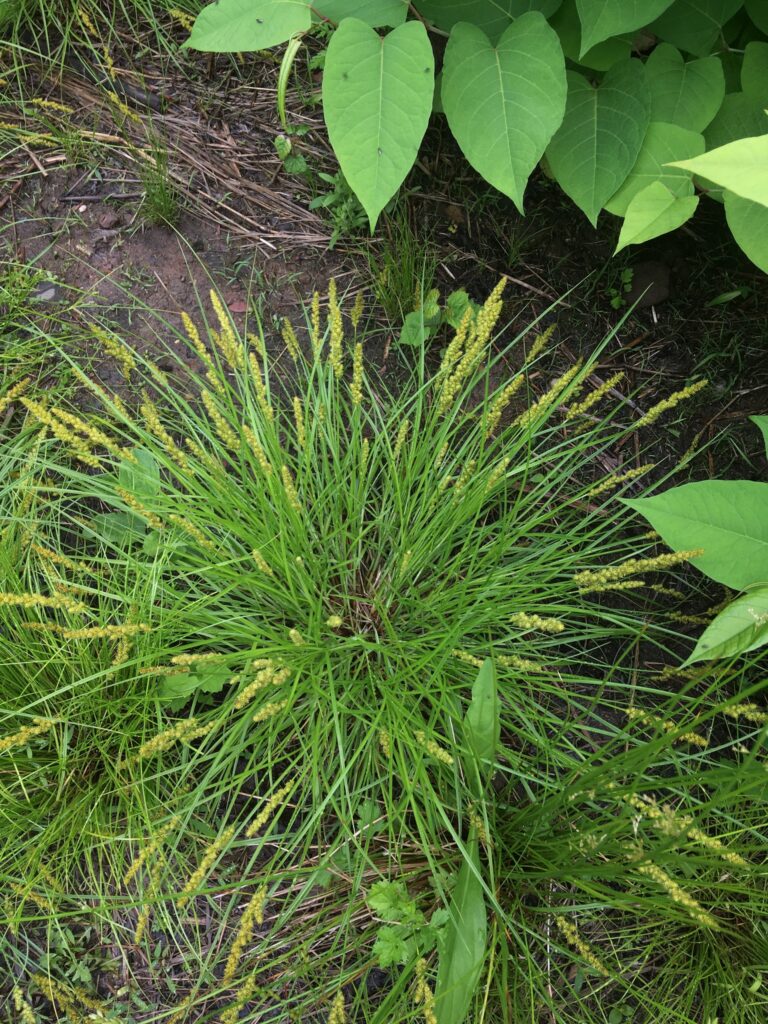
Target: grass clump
250,614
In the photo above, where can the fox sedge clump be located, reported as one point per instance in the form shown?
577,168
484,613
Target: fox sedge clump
288,587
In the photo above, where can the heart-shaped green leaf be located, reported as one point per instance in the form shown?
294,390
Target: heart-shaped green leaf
504,103
694,25
686,94
601,135
492,16
740,166
754,72
741,627
567,24
662,144
727,518
748,222
601,19
652,212
376,13
234,26
743,114
377,98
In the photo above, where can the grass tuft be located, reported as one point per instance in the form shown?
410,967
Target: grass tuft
239,646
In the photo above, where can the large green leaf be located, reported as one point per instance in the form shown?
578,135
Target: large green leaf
694,25
567,24
376,13
601,135
662,143
377,98
482,726
652,212
742,626
758,12
234,26
492,16
119,528
740,166
727,518
762,423
601,19
142,477
748,222
742,114
462,945
754,72
503,104
739,117
178,688
687,94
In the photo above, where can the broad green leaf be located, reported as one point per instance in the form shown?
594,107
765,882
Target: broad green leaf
234,26
177,688
727,518
740,166
212,678
739,117
748,222
492,16
567,24
754,72
762,423
376,13
601,136
377,98
504,104
686,94
204,679
119,528
601,19
482,726
421,324
662,143
415,331
141,478
462,944
758,12
153,542
652,212
694,25
741,627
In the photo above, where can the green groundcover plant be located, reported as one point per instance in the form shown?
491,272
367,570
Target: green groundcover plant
727,519
325,699
629,106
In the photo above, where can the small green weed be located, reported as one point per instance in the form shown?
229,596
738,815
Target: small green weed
344,209
160,204
403,266
617,291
